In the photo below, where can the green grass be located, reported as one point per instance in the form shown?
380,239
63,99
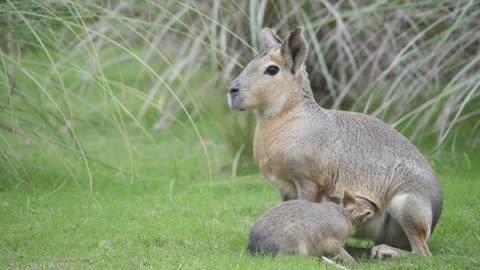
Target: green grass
152,204
168,216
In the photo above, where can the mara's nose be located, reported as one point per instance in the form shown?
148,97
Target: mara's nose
233,90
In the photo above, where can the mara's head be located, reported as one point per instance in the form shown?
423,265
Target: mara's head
272,78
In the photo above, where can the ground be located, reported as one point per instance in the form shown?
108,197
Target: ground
170,215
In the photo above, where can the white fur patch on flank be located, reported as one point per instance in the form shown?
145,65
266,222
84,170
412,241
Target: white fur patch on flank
396,205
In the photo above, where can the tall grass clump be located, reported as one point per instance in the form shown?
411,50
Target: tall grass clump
126,70
82,75
412,64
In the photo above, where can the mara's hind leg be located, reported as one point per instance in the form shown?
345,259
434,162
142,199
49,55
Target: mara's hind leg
414,216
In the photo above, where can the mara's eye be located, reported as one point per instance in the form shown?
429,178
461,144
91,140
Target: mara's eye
272,70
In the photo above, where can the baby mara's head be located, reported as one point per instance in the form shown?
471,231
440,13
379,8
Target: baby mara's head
357,209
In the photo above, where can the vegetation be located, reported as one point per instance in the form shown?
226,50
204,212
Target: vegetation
118,150
170,216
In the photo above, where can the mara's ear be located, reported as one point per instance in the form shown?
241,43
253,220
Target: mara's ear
348,198
361,215
269,38
294,49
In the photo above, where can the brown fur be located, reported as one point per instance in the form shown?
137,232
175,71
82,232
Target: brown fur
311,229
309,152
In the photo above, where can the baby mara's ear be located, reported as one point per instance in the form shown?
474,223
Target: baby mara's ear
360,215
360,209
348,198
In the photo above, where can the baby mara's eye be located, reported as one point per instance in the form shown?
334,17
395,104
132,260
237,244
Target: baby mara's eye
272,70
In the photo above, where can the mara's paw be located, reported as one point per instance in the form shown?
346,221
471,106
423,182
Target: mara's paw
383,251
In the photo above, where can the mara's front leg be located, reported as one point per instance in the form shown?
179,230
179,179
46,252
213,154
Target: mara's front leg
314,188
287,191
286,188
307,190
297,189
